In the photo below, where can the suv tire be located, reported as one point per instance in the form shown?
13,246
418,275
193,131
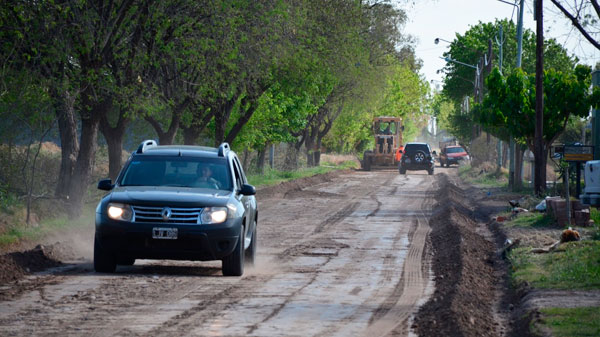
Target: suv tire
125,261
104,261
233,264
419,157
367,160
251,251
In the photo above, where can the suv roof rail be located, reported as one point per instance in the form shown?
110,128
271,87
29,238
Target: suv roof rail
145,145
223,149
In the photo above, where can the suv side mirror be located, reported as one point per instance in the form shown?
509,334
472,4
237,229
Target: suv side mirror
105,185
247,189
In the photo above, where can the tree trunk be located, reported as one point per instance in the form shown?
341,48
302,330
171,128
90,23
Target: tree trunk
317,158
518,168
291,158
189,136
69,144
191,133
260,162
317,152
309,152
505,146
84,165
114,140
245,158
235,130
168,137
92,112
221,119
219,129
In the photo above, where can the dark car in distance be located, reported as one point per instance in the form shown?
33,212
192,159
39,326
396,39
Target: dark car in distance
416,156
178,203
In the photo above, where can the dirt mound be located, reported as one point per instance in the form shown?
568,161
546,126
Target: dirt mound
18,264
463,264
279,190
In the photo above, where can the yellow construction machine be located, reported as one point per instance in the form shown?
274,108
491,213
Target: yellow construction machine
388,136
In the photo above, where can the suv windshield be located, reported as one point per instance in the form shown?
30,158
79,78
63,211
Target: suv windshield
455,150
177,171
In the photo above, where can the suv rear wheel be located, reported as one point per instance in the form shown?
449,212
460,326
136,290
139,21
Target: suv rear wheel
251,251
233,265
419,157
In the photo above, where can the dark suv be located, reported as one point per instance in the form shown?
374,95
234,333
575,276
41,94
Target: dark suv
180,203
416,156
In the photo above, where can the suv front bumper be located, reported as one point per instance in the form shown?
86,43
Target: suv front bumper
194,242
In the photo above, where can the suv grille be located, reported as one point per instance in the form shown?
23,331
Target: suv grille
145,214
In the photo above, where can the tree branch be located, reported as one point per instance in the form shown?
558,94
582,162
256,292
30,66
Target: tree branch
576,22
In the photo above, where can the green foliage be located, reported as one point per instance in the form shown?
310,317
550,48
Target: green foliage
469,47
530,220
7,199
404,95
575,265
477,176
510,103
595,215
450,117
459,80
571,322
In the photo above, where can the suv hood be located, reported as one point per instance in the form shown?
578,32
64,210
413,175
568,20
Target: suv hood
172,196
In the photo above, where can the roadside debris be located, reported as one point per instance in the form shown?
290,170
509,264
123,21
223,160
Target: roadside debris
508,245
541,207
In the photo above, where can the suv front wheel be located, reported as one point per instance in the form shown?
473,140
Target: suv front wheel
233,265
104,261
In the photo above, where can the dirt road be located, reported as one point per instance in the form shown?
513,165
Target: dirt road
340,258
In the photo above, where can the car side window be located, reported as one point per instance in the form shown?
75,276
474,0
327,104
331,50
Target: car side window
237,174
242,173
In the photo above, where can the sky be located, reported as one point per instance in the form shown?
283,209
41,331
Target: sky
430,19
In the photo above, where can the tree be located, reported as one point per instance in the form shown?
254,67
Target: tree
584,16
510,103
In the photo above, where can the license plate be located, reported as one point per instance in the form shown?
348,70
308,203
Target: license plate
164,233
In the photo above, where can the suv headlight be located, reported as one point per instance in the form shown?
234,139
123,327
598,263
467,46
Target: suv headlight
120,212
213,215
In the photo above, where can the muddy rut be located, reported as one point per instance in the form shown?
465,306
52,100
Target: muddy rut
343,257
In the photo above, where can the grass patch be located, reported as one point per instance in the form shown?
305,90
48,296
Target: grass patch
21,232
571,322
273,177
574,265
595,215
530,220
480,177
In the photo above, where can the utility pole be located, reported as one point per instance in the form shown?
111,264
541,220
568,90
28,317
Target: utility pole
513,145
540,158
596,118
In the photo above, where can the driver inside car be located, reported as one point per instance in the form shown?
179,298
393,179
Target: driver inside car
205,178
